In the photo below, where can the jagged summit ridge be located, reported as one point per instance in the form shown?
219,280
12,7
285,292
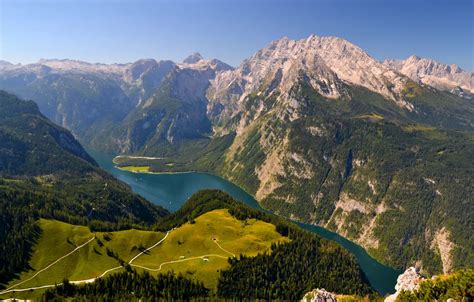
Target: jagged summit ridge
76,65
326,62
193,58
433,73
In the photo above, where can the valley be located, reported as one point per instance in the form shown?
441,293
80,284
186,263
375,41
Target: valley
311,164
272,150
171,190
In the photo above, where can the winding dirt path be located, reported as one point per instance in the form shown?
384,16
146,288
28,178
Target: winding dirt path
51,264
11,288
151,247
177,261
217,243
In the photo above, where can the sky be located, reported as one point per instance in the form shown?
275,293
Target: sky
119,31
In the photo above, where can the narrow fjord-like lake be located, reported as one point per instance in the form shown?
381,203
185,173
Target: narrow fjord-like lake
172,190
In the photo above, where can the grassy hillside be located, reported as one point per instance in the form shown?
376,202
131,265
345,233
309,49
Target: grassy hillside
213,233
58,239
212,240
306,262
45,172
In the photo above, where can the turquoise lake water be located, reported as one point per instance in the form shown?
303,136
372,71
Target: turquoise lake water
172,190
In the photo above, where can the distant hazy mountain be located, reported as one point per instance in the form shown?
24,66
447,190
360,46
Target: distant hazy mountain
87,98
32,145
78,99
317,129
439,75
194,58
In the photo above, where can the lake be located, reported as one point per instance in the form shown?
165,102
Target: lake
172,190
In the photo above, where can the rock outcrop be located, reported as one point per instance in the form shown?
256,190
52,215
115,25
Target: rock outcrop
409,281
319,295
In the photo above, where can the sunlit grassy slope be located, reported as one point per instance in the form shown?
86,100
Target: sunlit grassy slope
212,238
203,237
59,238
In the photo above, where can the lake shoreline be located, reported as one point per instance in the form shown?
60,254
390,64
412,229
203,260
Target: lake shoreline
171,189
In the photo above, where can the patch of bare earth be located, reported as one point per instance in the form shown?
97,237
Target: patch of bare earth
445,247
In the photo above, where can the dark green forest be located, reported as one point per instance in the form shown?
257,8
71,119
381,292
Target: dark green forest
45,172
306,262
292,269
130,286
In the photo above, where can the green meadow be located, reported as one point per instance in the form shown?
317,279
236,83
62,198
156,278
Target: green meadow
198,249
214,233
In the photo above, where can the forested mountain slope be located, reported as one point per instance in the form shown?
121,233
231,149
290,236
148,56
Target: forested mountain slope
317,129
340,140
45,172
214,244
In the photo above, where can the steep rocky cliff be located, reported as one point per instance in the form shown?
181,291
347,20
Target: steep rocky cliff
317,129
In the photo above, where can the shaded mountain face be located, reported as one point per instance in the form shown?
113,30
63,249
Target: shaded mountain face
441,76
319,131
32,145
79,101
59,179
89,99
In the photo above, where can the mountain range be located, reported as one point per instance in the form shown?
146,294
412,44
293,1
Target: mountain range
317,129
438,75
72,225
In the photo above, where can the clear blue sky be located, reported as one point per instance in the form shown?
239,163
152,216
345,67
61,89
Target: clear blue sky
123,31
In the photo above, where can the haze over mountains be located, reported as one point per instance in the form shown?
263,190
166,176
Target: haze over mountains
317,129
438,75
328,62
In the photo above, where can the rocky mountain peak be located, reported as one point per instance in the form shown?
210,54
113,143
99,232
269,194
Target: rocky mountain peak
193,58
335,55
414,58
135,70
5,64
439,75
326,63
